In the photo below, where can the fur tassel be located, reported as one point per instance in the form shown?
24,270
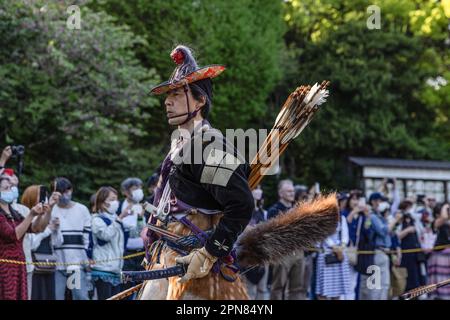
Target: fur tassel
302,227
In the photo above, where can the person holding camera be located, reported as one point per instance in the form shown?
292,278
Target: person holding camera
75,225
333,269
379,238
407,233
23,211
439,261
133,223
355,206
108,243
42,245
13,227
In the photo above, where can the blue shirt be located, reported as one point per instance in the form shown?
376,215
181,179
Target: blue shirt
382,238
352,227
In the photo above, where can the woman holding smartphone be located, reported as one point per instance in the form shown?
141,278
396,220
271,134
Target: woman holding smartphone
108,243
42,245
13,227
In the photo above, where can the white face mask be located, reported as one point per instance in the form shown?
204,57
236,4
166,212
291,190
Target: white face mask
383,206
113,206
15,190
137,195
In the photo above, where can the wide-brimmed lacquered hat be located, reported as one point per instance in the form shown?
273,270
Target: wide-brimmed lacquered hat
186,71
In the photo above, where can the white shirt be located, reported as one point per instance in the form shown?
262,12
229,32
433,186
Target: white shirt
75,226
339,238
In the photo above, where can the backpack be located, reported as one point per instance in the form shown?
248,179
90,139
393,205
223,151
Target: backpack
125,232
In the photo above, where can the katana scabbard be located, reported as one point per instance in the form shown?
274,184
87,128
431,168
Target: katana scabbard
129,276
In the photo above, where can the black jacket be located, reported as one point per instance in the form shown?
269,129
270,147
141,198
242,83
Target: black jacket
215,185
276,209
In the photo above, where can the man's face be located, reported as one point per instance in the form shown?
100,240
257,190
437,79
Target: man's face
176,106
287,192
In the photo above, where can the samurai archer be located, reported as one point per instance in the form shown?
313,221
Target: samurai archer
201,203
203,200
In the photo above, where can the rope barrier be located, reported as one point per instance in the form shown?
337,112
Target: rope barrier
71,263
130,256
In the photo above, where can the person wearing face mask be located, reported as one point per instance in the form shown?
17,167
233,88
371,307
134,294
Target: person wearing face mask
75,226
133,223
407,232
109,243
256,279
23,211
381,241
42,247
13,227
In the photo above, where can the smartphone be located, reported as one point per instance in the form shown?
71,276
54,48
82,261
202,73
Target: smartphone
43,194
317,188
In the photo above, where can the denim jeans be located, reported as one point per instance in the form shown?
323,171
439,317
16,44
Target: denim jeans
75,280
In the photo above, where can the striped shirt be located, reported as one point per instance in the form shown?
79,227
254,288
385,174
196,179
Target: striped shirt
75,226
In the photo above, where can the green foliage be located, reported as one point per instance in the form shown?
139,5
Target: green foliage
380,104
244,35
74,98
77,99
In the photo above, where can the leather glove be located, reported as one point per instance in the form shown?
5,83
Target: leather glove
199,263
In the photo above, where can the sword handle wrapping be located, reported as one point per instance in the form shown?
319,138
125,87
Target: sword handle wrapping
129,276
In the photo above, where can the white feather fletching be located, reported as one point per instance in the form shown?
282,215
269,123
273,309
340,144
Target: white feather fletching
313,98
311,93
320,97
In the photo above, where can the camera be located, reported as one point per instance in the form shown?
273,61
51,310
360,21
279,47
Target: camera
17,150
